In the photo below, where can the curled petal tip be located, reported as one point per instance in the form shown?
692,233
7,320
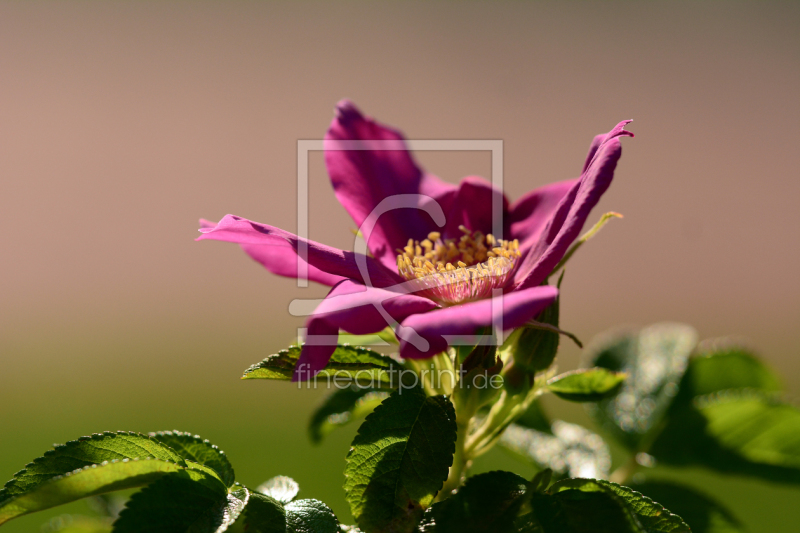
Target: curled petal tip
346,110
622,130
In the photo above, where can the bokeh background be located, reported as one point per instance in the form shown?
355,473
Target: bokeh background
122,123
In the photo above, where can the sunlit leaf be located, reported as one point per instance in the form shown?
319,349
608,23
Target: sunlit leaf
654,359
586,385
281,488
582,506
348,363
721,365
702,513
88,481
264,514
596,505
653,516
342,407
738,431
177,503
194,448
568,449
93,465
399,460
310,516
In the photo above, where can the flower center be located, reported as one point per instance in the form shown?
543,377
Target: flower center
482,263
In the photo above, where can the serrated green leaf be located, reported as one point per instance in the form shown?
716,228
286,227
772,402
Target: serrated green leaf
582,508
583,512
568,449
41,485
702,513
310,516
746,432
281,488
486,502
177,503
88,481
742,427
721,365
348,363
341,407
399,460
654,359
193,448
586,385
264,514
653,516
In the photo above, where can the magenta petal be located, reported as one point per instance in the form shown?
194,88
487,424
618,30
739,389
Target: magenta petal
354,308
517,308
530,214
472,207
573,210
282,264
278,249
363,178
287,264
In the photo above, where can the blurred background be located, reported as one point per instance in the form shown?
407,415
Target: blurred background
122,123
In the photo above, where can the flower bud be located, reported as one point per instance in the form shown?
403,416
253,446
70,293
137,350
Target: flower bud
536,348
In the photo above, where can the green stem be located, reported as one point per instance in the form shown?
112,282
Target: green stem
461,462
625,472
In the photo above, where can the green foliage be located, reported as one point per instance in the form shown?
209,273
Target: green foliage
535,418
739,432
348,363
399,460
88,481
721,365
581,508
189,487
598,506
264,514
177,503
608,506
728,416
486,502
586,385
704,514
93,465
720,407
310,516
281,488
653,516
201,451
78,524
566,449
537,347
342,407
654,359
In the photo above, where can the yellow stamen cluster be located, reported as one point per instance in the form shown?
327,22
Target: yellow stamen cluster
452,271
